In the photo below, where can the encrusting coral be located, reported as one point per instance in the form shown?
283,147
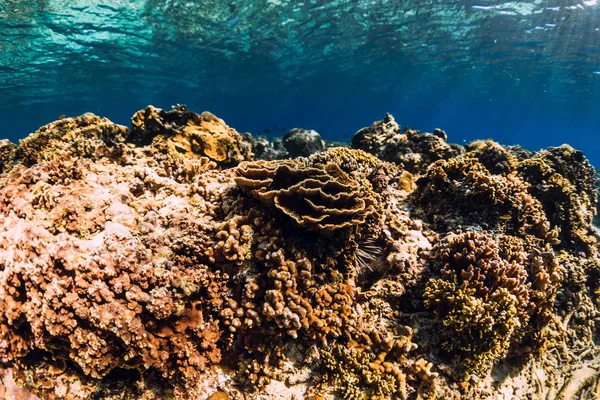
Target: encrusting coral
189,134
410,149
86,136
165,261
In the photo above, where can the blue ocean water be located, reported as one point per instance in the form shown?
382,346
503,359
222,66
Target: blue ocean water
521,72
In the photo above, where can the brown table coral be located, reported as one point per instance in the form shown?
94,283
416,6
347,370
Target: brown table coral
319,197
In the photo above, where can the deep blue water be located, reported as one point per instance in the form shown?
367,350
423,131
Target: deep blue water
519,72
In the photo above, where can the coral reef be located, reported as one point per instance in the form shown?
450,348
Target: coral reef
485,199
87,136
164,261
563,180
264,149
410,149
485,301
549,195
596,219
297,142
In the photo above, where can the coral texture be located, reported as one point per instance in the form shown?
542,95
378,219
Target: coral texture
302,143
409,149
190,134
8,154
319,197
484,300
87,136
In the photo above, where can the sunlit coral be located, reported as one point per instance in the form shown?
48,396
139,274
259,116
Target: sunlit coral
321,197
192,135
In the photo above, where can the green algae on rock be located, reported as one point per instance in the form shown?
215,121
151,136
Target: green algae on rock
165,261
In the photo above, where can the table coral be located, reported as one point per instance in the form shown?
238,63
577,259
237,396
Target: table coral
319,197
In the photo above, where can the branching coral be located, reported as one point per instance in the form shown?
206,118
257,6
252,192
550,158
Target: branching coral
481,299
549,195
280,293
379,364
563,181
462,191
494,157
490,298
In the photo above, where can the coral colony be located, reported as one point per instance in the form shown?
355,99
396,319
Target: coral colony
179,259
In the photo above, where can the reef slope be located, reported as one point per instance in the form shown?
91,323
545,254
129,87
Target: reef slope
166,262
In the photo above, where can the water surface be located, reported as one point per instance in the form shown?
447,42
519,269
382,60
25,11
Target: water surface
525,72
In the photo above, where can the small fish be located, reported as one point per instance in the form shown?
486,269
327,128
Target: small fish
505,217
62,116
267,131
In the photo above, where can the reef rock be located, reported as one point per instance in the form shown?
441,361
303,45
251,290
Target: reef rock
265,149
302,143
296,143
162,261
410,149
87,136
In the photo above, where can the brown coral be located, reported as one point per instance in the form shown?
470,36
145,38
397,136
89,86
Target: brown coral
102,261
86,136
481,299
8,155
496,158
462,191
321,197
189,134
485,302
411,150
563,181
